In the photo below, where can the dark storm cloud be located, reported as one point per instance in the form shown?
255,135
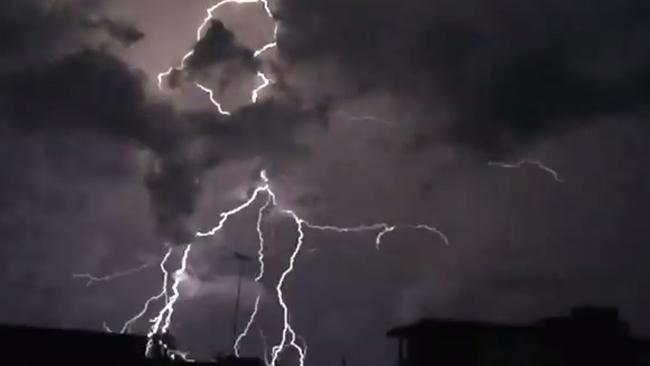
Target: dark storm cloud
124,33
216,47
36,30
30,31
509,72
74,122
91,91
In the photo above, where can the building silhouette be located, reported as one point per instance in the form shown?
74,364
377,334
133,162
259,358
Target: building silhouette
28,346
587,336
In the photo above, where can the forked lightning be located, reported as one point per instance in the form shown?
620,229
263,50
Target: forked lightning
289,337
161,323
264,80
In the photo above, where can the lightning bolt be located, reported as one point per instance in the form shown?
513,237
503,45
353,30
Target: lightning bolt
289,336
91,279
265,81
537,163
162,322
260,274
288,329
106,328
212,99
163,293
382,228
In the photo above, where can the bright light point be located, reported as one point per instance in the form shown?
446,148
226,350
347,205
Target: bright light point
180,276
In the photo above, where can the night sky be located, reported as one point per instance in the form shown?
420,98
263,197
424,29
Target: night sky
379,111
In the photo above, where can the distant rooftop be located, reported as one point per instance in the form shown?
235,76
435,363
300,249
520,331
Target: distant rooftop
602,317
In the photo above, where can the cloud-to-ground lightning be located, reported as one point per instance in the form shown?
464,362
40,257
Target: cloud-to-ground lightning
162,322
381,228
537,163
287,329
260,274
264,80
289,335
91,279
163,293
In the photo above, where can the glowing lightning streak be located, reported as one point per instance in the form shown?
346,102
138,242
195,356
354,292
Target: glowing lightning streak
432,229
168,310
243,334
260,235
162,321
287,329
107,329
304,345
163,293
180,275
265,82
212,99
226,215
265,347
199,33
385,229
258,278
92,279
536,163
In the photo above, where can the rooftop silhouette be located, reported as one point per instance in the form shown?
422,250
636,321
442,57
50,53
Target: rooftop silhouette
587,336
22,345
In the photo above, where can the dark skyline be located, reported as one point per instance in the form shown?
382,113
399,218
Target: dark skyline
101,168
